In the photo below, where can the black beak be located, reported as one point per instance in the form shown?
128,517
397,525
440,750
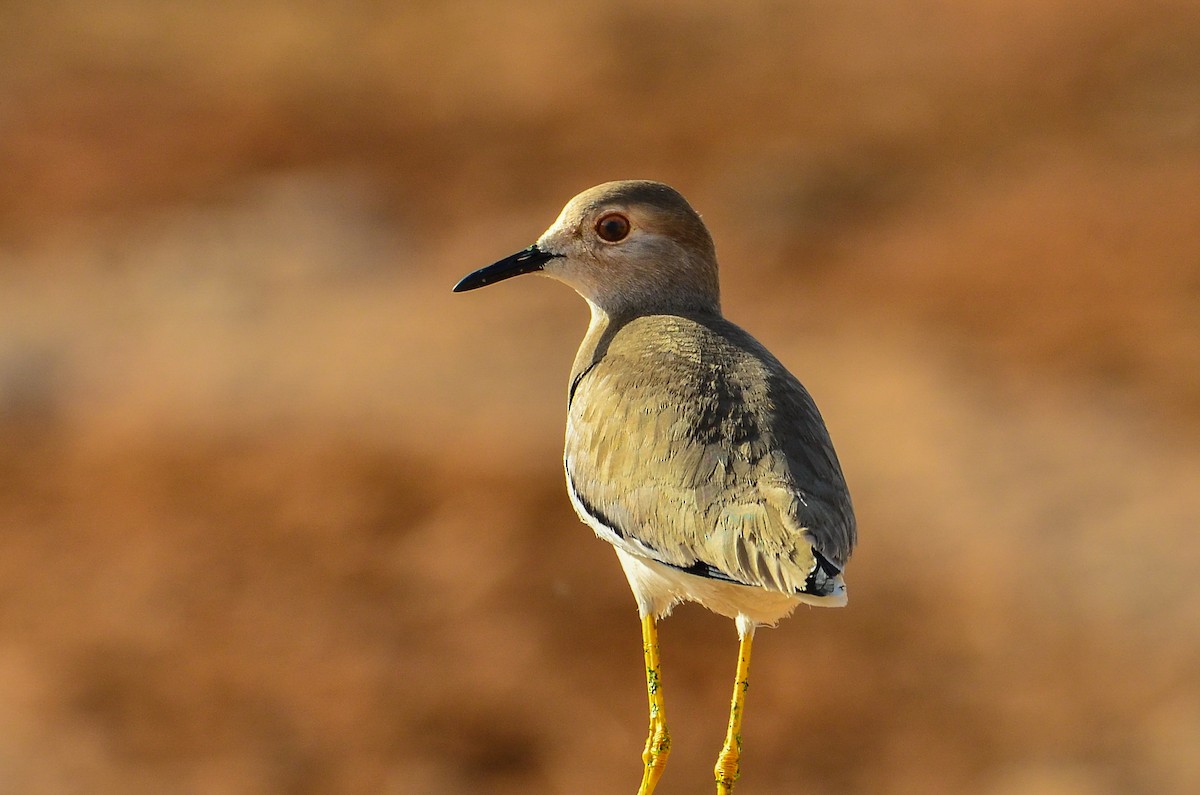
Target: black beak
527,261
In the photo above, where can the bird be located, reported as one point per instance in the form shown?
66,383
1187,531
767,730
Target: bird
689,447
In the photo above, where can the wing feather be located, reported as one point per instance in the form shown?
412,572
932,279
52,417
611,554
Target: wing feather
700,447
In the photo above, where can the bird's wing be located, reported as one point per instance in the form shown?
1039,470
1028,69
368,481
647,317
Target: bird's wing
688,443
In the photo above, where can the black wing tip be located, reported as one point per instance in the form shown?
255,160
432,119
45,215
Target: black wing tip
820,579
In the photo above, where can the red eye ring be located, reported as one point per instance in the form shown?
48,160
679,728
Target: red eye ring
613,227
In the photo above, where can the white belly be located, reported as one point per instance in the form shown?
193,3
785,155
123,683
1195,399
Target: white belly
659,587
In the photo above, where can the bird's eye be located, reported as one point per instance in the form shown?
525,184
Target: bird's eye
613,227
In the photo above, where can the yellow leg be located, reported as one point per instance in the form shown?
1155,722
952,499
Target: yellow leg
727,763
658,741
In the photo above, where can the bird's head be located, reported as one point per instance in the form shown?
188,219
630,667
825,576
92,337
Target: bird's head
624,246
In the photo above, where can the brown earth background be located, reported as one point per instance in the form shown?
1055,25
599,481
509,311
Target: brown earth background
281,514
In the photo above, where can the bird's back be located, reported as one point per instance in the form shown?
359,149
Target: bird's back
692,446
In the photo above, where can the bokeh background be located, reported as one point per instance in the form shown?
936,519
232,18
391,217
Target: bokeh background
281,514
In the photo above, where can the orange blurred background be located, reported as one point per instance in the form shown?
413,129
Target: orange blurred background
281,514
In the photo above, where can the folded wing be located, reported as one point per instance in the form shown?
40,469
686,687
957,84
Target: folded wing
693,446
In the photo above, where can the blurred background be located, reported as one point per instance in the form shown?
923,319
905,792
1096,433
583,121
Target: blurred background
281,514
